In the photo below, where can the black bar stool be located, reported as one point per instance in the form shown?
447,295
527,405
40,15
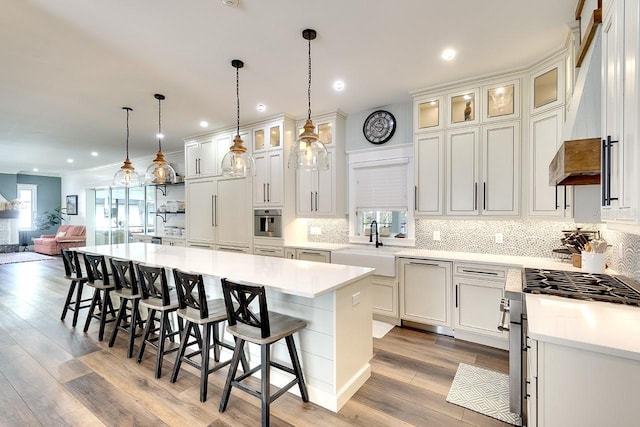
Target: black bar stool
197,311
264,328
127,289
73,272
160,303
98,279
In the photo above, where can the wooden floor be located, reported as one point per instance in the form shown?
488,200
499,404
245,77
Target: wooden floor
52,374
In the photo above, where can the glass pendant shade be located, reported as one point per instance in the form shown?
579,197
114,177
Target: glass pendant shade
160,171
127,175
238,163
308,153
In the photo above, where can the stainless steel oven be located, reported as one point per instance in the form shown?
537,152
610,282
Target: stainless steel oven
267,223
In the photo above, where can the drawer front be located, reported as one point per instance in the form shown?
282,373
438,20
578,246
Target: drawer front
269,251
480,271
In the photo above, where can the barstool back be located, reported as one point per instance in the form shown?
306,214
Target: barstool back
191,293
71,264
238,299
124,276
96,266
153,283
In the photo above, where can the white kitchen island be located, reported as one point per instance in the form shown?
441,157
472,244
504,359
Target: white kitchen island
335,300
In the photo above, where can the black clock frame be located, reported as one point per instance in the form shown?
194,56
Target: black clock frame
392,127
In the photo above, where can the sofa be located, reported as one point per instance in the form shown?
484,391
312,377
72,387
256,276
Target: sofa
67,236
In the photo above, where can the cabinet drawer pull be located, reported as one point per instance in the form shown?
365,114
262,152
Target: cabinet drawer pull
310,253
230,249
424,263
489,273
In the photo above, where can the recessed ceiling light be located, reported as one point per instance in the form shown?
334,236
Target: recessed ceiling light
36,169
94,153
448,54
204,124
338,85
261,107
231,3
69,160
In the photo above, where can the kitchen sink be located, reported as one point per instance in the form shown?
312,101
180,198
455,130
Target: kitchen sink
382,259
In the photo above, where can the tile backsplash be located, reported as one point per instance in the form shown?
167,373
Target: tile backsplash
522,238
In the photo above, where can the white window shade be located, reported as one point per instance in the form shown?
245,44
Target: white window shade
381,185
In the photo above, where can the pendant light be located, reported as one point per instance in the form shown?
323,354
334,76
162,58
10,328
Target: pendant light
127,175
238,162
308,152
160,171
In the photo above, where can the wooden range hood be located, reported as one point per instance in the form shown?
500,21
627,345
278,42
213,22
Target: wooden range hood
577,162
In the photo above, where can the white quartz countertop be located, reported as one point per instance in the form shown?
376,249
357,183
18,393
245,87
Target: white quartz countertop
296,277
602,327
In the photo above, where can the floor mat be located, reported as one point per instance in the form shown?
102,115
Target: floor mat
483,391
13,257
380,329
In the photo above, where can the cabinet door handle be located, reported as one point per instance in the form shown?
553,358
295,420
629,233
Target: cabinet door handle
311,200
316,201
484,196
215,211
456,296
603,179
475,196
565,198
268,192
557,205
264,192
610,146
415,198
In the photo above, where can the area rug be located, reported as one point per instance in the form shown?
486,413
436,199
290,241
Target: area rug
380,329
14,257
483,391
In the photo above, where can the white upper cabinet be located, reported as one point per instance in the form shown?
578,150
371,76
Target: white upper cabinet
200,157
463,154
428,114
621,108
546,87
463,108
321,193
204,154
500,169
501,101
429,173
268,184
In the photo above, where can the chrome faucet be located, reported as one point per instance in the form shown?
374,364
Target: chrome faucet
378,243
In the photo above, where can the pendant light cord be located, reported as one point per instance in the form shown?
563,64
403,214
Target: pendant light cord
127,109
309,88
238,100
159,124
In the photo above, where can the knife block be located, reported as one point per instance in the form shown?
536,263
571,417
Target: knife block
576,260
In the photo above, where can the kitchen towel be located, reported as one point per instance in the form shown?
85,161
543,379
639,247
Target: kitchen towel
483,391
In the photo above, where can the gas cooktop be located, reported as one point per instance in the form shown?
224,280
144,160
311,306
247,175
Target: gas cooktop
584,286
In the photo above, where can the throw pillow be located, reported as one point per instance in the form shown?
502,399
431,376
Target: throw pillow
61,234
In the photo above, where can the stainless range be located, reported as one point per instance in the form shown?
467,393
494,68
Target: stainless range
566,284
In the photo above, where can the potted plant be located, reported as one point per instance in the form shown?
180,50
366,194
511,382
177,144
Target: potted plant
48,220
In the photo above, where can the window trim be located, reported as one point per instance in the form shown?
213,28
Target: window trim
33,188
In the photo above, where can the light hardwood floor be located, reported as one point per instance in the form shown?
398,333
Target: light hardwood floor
53,374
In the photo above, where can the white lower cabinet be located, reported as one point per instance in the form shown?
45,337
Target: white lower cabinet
570,386
290,253
173,242
478,290
313,255
425,291
385,296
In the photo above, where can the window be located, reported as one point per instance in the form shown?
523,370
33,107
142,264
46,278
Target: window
379,183
28,196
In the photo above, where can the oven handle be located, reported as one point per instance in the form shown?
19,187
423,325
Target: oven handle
504,308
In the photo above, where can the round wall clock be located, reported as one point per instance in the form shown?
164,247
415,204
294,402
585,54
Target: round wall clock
379,127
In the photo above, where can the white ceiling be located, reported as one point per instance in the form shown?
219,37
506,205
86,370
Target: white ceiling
67,67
